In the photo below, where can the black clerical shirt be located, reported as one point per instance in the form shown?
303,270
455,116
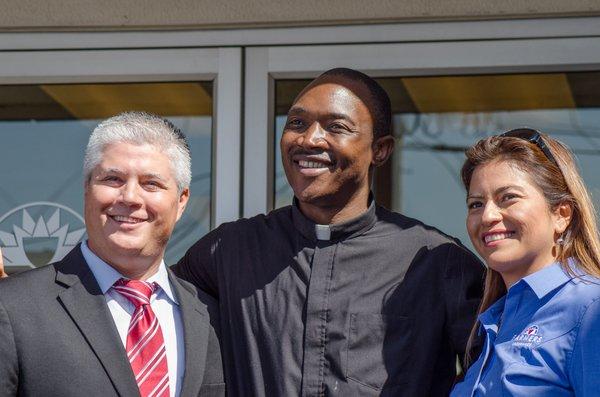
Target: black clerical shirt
381,304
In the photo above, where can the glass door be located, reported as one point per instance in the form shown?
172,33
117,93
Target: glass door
436,118
48,111
445,96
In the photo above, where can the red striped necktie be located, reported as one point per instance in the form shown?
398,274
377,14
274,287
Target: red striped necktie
145,344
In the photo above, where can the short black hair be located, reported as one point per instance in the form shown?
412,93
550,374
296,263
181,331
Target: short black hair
381,105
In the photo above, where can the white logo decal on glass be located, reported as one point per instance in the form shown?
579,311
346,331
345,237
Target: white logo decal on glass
39,233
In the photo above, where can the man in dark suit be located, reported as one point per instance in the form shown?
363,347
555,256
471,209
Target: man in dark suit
110,319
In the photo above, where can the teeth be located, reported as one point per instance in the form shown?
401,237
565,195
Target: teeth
497,236
121,218
311,164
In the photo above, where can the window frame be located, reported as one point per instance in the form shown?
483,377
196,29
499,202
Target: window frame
264,65
223,66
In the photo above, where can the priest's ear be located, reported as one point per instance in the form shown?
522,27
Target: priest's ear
382,149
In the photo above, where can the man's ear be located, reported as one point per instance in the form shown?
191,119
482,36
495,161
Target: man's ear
382,149
184,196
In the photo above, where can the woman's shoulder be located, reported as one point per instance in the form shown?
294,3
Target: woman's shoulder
584,287
565,303
576,296
585,290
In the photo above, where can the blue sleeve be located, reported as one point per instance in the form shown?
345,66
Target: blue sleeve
585,361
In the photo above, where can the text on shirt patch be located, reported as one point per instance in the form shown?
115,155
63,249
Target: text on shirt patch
529,337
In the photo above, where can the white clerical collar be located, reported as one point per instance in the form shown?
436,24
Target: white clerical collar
323,232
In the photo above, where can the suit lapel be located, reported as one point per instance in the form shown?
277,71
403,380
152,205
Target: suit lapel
195,334
86,305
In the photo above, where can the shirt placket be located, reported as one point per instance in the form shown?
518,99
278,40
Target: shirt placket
511,304
491,331
317,316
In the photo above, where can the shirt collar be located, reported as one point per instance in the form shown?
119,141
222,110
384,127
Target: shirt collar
107,275
547,279
491,317
541,283
334,232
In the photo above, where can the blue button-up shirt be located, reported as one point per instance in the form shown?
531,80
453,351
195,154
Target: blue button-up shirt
542,339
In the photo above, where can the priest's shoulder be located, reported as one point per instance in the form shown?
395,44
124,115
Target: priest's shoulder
248,227
435,248
415,230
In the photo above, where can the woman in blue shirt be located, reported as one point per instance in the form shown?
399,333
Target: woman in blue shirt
531,219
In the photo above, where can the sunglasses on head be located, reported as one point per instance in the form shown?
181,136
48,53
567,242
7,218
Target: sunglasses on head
533,136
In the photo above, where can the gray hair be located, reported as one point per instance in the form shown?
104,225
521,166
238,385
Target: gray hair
141,128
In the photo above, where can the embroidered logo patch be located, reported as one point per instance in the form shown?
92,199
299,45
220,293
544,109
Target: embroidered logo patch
529,337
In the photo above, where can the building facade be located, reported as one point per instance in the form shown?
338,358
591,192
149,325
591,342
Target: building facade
226,73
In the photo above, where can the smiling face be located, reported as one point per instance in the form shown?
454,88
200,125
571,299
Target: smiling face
132,205
327,145
509,221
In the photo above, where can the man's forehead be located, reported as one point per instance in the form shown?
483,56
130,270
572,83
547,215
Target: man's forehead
103,170
327,88
127,158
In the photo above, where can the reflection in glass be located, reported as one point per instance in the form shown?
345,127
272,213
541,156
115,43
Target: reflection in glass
44,130
436,118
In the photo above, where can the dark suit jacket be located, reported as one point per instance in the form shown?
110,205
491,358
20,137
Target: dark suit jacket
58,338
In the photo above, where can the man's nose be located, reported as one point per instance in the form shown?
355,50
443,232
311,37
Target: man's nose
314,136
130,193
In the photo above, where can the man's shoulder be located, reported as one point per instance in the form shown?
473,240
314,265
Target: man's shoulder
271,220
40,280
414,229
433,244
28,285
208,301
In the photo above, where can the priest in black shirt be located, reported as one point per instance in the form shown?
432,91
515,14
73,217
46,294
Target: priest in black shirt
335,295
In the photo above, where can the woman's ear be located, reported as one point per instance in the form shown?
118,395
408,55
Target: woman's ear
562,217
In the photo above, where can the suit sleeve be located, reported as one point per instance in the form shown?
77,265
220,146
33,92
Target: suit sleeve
585,365
9,366
463,289
199,265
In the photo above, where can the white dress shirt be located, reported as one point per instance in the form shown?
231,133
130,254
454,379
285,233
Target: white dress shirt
163,302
